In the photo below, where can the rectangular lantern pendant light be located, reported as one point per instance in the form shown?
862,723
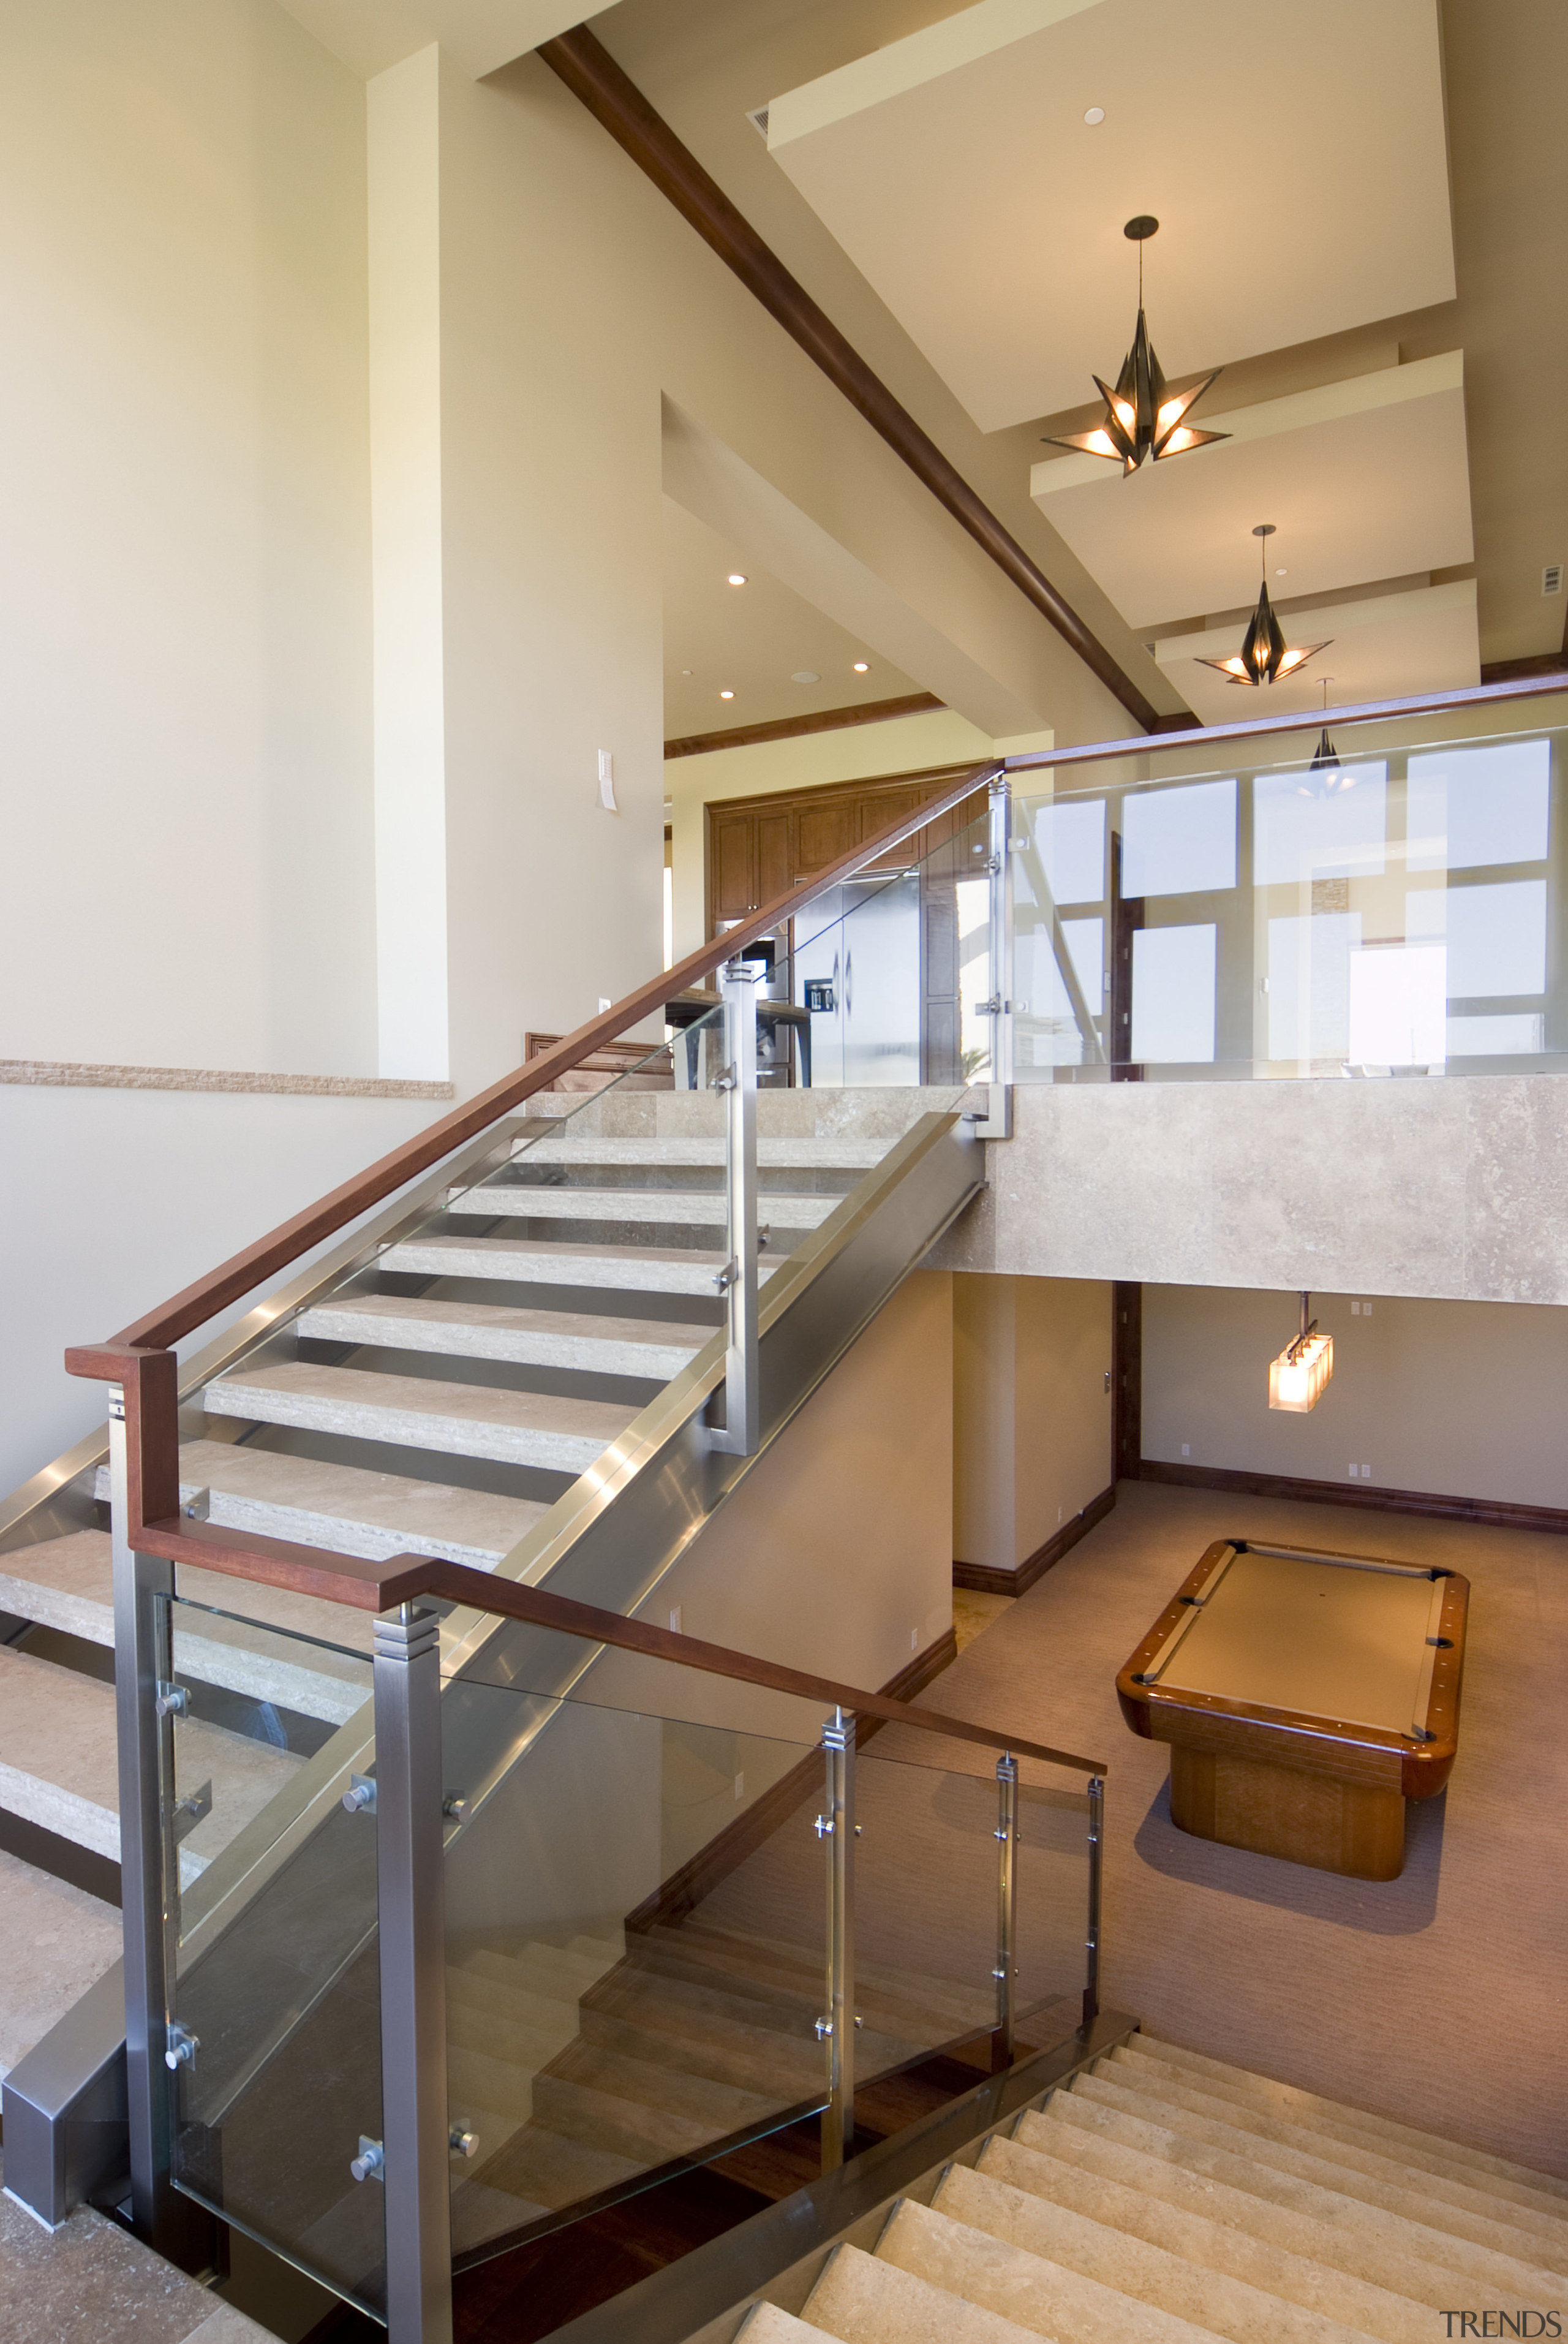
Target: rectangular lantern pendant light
1298,1377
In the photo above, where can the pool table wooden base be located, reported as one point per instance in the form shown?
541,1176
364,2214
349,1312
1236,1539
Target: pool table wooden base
1305,1818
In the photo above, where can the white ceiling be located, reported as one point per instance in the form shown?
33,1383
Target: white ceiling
751,639
1363,479
1295,157
368,36
1380,648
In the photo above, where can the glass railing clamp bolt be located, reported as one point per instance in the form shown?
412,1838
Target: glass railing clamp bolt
359,1798
462,2139
370,2165
181,2047
172,1701
453,1808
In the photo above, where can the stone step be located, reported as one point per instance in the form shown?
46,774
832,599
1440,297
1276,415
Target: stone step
344,1508
658,1996
656,1349
897,2007
1265,2306
1370,2231
502,2088
718,2108
67,1583
510,1427
624,1269
766,2324
59,1763
637,1208
518,2040
772,1155
780,2071
1014,2284
608,2123
553,2170
1328,2139
930,1994
1142,2192
494,1998
56,1942
1337,2171
544,1969
864,2300
1289,2098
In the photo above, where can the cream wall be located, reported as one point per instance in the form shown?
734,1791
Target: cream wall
1464,1399
1032,1414
184,541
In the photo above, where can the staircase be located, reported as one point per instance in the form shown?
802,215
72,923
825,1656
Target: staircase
439,1402
1164,2197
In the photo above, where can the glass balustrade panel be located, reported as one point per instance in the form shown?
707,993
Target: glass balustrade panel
270,1884
1394,907
634,1900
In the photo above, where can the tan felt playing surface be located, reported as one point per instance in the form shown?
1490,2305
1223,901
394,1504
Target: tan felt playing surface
1282,1632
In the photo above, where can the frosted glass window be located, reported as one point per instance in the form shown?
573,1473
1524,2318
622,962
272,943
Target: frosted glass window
1496,1038
1071,843
1179,842
1310,985
1299,834
1469,807
1425,914
1173,994
1497,939
1399,1001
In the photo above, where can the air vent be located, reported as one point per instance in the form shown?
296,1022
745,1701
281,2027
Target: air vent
1551,578
757,117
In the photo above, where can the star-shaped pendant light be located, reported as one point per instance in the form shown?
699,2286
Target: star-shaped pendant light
1265,656
1141,420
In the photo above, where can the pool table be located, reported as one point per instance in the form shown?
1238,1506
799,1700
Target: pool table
1305,1697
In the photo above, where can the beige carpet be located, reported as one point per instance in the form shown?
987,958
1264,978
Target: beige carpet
1440,1998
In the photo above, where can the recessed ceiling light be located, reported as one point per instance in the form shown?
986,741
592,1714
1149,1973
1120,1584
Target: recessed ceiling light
804,675
1095,114
862,667
686,670
1282,574
727,695
737,578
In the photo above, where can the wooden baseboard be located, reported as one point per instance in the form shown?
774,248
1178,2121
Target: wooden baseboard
728,1849
981,1578
1496,1512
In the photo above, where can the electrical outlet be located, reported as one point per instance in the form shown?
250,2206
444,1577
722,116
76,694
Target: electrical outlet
1186,1448
675,1627
607,781
914,1640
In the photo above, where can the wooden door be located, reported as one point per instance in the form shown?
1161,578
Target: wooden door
775,863
734,866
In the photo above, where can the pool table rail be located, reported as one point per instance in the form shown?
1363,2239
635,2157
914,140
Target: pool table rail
1368,1755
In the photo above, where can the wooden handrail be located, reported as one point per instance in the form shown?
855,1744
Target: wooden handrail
193,1305
1366,711
404,1578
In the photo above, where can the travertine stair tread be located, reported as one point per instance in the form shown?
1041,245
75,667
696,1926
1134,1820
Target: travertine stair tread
656,1348
1359,2217
637,1208
460,1419
1390,2256
719,2108
542,1969
627,1269
480,1998
481,2213
59,1763
863,2300
772,1155
1293,2098
491,2032
488,2081
927,1993
554,2170
1037,2292
1327,2139
792,2011
1247,2309
766,2324
676,2002
781,2075
604,2121
346,1508
1331,2172
884,2009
